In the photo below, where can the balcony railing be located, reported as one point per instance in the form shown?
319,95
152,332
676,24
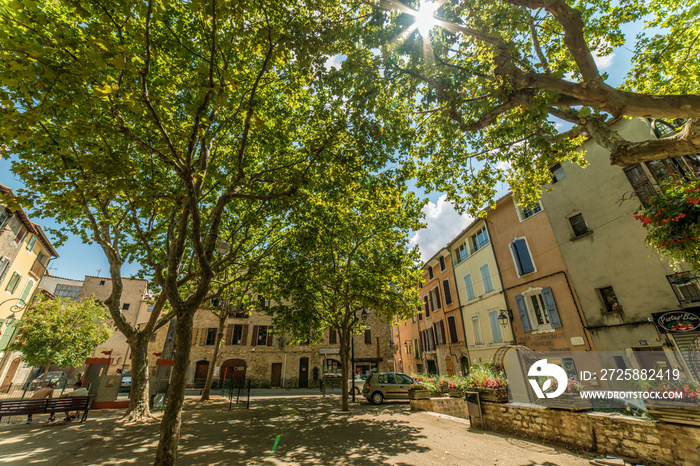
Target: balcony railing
686,285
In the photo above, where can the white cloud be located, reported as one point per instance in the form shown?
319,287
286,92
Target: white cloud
444,223
503,165
603,62
333,62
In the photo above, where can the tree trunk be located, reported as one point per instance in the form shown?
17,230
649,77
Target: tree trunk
214,357
139,410
166,454
46,372
345,370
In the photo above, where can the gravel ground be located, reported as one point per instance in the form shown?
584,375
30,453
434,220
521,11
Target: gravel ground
278,430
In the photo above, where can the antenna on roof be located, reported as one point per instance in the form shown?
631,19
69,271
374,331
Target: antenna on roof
98,272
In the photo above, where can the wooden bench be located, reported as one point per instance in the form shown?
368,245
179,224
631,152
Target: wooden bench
194,388
45,406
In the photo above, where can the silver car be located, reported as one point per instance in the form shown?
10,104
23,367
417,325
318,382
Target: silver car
386,386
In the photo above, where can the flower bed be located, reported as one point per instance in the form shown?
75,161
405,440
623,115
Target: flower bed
683,411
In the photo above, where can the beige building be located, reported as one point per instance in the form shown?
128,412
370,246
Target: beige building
480,292
134,307
253,350
25,252
620,282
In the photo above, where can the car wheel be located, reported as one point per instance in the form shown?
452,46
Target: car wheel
377,398
357,391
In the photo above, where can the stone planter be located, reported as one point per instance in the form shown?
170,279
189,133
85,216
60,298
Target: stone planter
419,394
567,401
494,395
456,393
674,412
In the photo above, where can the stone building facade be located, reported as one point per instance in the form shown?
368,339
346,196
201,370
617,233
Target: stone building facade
253,350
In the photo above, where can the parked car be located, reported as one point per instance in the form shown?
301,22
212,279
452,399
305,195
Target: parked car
359,383
59,377
125,385
386,386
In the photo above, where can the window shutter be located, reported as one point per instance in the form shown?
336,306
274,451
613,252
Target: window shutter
486,278
254,339
4,267
495,327
269,336
368,337
442,332
437,297
244,335
454,338
470,287
8,334
522,256
522,310
551,307
203,336
432,303
446,289
229,334
194,336
20,235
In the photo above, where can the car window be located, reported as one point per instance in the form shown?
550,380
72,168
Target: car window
400,378
386,378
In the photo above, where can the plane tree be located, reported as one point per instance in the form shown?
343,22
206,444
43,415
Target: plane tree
146,124
344,256
503,89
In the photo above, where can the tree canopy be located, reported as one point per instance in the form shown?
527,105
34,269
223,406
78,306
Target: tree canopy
61,332
494,80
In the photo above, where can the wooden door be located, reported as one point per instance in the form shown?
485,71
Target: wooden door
276,380
200,373
304,373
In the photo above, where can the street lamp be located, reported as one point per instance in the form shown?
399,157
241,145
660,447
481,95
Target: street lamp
15,308
504,317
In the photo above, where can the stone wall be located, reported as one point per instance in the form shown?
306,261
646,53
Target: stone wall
651,442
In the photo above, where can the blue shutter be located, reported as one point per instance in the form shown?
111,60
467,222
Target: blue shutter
523,256
551,307
469,286
495,327
486,278
522,310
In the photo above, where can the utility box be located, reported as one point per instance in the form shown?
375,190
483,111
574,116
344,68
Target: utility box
473,404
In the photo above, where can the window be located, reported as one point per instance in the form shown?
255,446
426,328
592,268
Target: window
578,225
4,215
102,282
211,336
262,339
469,286
20,235
446,290
486,278
495,327
439,329
332,337
427,307
557,173
4,267
368,336
538,310
236,335
640,182
442,264
430,273
435,299
125,306
67,291
14,281
480,239
264,303
239,314
31,243
526,212
521,256
416,349
476,329
607,295
461,253
452,326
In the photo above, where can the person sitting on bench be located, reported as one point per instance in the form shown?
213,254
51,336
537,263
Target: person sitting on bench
78,390
46,392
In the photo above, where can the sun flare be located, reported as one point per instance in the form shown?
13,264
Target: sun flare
425,19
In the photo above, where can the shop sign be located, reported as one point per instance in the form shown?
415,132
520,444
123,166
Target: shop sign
677,321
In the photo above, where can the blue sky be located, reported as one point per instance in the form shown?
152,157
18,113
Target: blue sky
443,222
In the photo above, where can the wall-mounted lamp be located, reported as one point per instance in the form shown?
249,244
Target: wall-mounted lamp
504,317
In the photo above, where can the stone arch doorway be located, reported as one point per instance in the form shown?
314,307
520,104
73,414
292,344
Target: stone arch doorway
233,369
201,370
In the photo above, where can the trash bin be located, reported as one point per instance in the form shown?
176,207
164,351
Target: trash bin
473,404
